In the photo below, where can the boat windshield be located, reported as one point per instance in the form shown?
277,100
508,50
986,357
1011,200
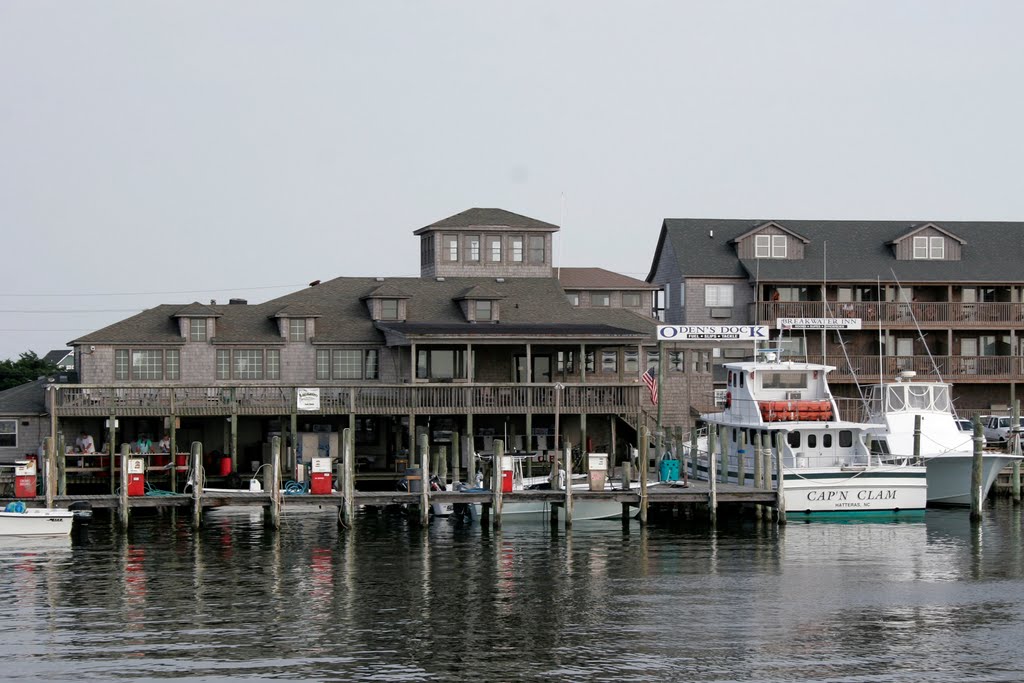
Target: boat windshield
914,397
783,380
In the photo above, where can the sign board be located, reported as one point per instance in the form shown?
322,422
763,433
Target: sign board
711,332
818,323
307,399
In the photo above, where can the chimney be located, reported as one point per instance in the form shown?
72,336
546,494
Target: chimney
213,302
237,302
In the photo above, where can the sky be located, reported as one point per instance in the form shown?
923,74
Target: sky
169,152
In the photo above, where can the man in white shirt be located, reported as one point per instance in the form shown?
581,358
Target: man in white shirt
85,443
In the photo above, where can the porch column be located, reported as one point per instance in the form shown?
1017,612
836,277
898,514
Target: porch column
470,366
412,371
585,466
469,453
112,449
529,364
583,363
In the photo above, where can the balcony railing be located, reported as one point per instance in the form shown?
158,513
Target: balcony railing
951,368
378,399
926,313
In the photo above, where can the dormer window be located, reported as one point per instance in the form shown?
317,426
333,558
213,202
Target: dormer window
770,246
484,311
197,329
933,248
297,330
451,247
537,249
473,248
517,249
389,309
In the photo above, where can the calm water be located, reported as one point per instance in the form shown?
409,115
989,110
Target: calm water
931,600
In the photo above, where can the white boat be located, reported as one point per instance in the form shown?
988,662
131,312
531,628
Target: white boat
826,463
18,520
947,452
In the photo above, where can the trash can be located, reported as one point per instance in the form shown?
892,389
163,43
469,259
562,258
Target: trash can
597,470
669,470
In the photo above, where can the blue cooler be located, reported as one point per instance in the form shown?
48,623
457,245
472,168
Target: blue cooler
669,470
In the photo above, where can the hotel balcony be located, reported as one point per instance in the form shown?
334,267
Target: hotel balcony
926,313
974,369
89,400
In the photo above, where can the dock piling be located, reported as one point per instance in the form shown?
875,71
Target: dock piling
122,508
567,454
198,475
497,480
1014,446
977,503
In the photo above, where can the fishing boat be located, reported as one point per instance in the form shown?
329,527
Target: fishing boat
947,452
18,520
826,465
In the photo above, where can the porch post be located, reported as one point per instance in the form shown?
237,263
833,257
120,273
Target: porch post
173,433
412,371
112,450
470,366
529,364
583,363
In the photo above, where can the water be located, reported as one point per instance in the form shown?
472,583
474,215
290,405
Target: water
931,600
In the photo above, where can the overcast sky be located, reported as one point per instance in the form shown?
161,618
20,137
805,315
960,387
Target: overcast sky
166,152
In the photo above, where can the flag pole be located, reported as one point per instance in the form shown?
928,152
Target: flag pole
661,378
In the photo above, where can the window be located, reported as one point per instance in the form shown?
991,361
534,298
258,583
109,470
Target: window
440,364
347,364
247,364
793,439
826,440
389,309
630,300
148,364
675,361
653,359
718,295
630,360
173,364
812,440
473,248
121,364
223,364
494,248
573,297
845,438
273,364
936,248
537,249
565,361
516,244
600,299
783,380
197,329
8,433
588,362
609,361
762,246
920,247
483,310
297,329
450,247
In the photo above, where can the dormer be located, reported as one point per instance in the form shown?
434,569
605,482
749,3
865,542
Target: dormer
480,305
928,242
771,240
197,322
387,303
486,243
297,323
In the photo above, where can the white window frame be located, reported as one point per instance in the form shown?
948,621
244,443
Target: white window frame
450,244
920,247
937,248
573,297
762,246
718,296
197,329
517,248
473,248
297,329
387,316
9,427
779,246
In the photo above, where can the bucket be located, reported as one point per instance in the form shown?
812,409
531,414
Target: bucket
225,465
669,470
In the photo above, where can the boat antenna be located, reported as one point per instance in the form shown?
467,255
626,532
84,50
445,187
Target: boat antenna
913,316
846,355
824,296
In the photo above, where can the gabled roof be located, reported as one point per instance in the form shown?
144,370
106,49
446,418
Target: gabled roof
489,218
386,291
197,310
927,226
598,278
297,311
25,399
57,356
479,292
770,224
855,251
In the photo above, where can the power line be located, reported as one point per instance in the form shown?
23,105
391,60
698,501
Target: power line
182,291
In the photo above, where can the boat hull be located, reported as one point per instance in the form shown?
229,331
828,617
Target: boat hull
949,476
873,489
36,522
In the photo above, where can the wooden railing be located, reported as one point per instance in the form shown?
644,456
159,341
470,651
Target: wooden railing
951,368
377,399
926,313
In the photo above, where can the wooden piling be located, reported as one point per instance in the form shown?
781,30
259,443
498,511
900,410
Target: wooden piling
757,460
712,473
62,467
977,502
442,461
424,480
198,479
498,478
693,451
50,453
567,455
917,439
626,482
780,486
456,459
644,466
741,457
1015,467
122,508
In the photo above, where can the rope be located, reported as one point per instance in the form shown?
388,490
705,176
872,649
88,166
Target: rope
294,488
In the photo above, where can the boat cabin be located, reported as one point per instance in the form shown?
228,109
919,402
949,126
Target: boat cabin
762,393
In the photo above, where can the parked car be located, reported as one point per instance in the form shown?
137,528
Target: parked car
997,427
967,427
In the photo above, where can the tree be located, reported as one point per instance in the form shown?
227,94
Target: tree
27,368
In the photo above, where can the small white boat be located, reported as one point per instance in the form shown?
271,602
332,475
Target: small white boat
826,463
18,520
947,452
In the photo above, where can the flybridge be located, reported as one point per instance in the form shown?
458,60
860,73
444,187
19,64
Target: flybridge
704,332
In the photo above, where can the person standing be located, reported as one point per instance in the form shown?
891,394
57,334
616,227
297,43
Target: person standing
84,443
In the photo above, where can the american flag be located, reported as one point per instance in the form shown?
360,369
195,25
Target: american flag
651,380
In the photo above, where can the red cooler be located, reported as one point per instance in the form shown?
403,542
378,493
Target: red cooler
25,479
136,477
320,477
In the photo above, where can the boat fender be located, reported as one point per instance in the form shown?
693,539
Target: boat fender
16,506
